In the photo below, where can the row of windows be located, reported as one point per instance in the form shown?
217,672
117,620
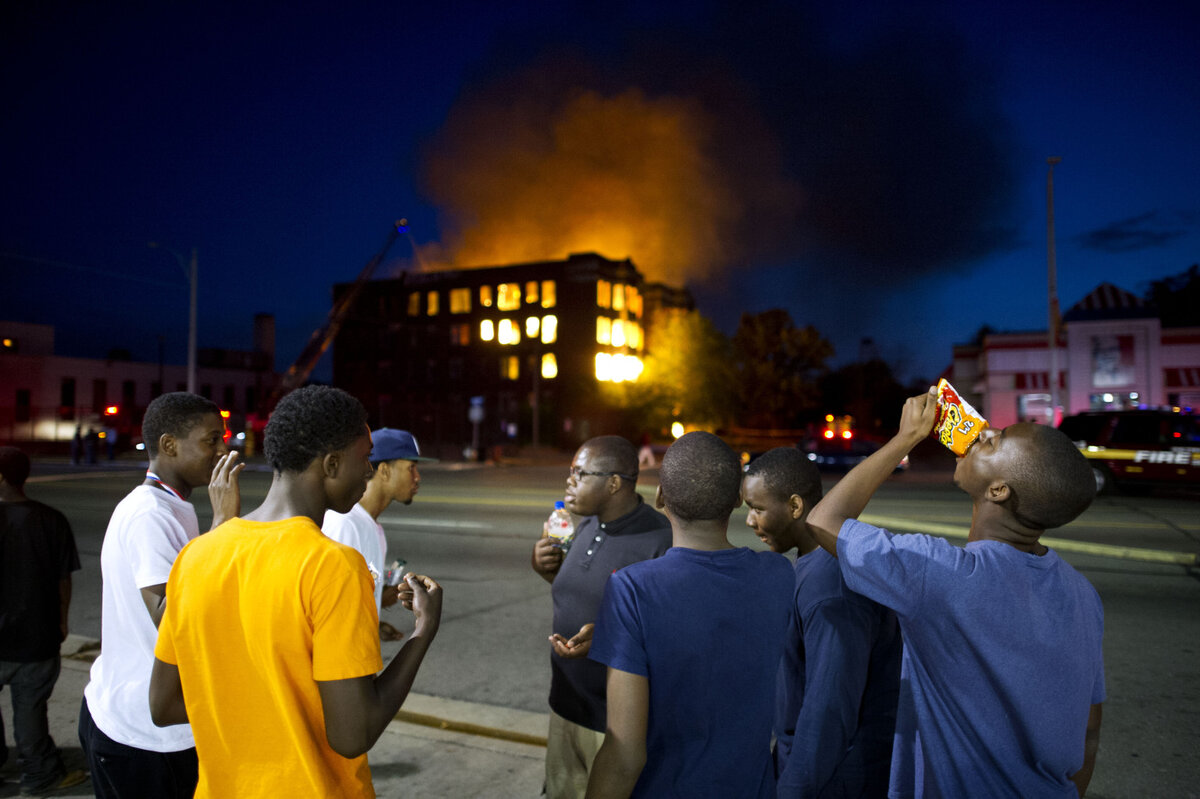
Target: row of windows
610,332
505,297
619,297
510,367
508,331
511,297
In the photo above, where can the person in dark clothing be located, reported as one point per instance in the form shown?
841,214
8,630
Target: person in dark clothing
37,556
619,528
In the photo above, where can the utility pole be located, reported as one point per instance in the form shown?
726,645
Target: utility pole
1052,289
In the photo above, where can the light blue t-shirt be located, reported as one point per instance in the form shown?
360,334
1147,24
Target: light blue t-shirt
707,630
1002,662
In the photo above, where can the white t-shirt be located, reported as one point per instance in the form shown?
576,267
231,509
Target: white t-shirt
358,530
146,532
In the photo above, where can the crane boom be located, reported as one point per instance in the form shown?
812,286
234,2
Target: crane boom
323,336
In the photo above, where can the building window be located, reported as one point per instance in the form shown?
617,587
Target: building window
99,392
531,327
460,300
454,368
24,405
549,329
156,389
618,368
206,390
618,297
460,335
548,294
510,367
487,331
431,304
618,333
603,330
508,332
634,301
603,294
67,393
228,400
549,366
414,304
485,296
509,297
251,400
531,292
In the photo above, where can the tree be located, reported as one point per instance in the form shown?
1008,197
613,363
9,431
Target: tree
688,374
778,365
1177,298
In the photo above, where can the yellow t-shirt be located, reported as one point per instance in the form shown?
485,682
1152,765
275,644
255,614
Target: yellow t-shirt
257,612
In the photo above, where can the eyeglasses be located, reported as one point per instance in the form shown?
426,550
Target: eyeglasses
579,474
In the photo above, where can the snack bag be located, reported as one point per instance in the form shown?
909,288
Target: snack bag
958,425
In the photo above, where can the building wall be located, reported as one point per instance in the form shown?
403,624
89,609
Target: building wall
32,398
420,370
1102,363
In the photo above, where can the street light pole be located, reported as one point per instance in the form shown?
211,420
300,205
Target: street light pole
192,271
193,279
1052,289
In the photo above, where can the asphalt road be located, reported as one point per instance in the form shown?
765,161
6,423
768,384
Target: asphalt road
472,529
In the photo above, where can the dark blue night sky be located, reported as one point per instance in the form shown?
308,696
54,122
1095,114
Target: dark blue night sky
878,173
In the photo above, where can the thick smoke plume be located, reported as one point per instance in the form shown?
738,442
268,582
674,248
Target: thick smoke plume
745,138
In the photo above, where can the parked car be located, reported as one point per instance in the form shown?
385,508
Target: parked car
1138,449
841,455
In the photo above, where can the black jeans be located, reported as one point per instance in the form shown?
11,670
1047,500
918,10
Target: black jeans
120,771
31,685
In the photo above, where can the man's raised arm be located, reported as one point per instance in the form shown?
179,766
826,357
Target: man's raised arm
849,497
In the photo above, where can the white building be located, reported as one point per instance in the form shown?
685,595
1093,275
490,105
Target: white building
43,396
1112,352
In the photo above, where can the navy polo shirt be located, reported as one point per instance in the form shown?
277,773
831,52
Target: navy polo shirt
577,684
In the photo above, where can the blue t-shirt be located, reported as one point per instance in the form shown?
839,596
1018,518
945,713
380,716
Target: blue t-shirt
707,630
838,687
1002,662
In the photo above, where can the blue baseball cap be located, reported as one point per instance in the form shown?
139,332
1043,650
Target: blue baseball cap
389,445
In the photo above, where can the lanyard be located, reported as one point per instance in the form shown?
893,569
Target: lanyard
152,476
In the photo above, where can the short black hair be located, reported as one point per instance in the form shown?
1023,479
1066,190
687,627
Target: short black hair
786,471
614,454
701,478
1051,482
173,414
309,423
14,466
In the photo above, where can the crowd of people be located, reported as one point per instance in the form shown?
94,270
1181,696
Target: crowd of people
247,661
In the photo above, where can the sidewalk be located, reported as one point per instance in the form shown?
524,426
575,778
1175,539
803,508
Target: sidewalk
436,747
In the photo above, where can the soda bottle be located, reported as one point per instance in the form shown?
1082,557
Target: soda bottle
560,527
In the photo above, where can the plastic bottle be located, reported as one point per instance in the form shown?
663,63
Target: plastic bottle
560,527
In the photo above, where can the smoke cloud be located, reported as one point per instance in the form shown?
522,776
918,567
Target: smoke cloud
745,137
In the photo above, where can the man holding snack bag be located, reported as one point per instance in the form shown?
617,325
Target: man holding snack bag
1002,675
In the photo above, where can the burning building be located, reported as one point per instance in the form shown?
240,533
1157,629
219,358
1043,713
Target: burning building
499,355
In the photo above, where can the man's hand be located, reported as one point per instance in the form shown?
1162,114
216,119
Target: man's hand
547,558
916,420
426,603
391,594
223,490
577,646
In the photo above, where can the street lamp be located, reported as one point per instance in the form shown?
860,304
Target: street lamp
191,270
